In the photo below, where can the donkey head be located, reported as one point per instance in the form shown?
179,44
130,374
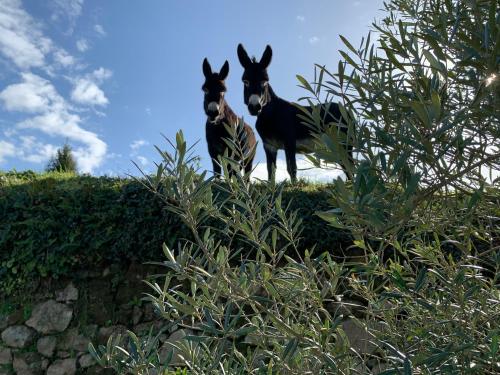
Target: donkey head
214,89
255,79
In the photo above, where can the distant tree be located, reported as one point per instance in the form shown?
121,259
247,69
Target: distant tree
63,161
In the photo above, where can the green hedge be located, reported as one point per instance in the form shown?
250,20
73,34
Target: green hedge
53,224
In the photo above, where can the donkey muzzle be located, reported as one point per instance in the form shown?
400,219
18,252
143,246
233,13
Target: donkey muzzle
254,105
213,110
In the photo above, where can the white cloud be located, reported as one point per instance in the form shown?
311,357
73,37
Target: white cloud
113,155
22,40
143,160
24,45
99,30
34,151
86,90
54,118
63,58
313,40
148,111
33,95
20,37
28,149
82,45
300,18
7,149
88,93
68,8
10,132
304,170
64,124
101,74
137,144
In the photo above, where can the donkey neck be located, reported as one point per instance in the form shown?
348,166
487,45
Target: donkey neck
229,116
271,95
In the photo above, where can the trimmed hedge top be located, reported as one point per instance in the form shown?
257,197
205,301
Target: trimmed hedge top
55,223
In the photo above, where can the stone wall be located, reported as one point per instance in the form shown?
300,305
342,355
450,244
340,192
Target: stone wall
50,330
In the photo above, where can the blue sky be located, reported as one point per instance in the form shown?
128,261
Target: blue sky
109,76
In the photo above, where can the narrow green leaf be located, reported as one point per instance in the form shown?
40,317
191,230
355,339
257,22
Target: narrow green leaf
348,44
349,60
331,218
421,277
304,83
434,62
168,253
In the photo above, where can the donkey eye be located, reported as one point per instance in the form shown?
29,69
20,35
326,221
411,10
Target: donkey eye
246,82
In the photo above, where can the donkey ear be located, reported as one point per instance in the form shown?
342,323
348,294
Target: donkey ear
265,60
243,56
207,69
224,71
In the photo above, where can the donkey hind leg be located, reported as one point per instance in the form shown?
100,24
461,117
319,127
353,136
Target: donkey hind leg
291,163
271,154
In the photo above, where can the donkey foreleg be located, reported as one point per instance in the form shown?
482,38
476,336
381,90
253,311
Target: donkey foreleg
291,163
271,154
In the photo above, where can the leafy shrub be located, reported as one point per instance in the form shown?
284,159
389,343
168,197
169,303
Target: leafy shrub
279,310
55,223
229,296
423,129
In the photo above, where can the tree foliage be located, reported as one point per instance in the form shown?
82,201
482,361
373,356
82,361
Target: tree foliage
63,161
424,100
